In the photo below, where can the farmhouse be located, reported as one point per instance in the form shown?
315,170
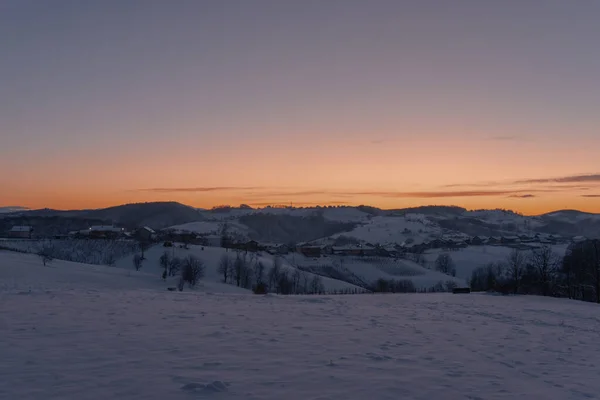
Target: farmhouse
105,232
310,250
21,232
145,233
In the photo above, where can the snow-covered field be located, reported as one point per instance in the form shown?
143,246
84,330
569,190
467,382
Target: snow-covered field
89,332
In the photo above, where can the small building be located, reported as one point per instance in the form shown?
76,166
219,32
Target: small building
274,248
21,232
510,240
145,233
310,250
105,232
479,240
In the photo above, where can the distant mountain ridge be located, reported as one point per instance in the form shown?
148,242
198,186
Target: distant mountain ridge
303,224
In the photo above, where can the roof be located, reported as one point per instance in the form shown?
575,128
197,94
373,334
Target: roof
105,228
147,228
18,228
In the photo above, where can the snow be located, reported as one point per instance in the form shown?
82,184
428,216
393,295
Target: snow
96,334
20,229
370,269
398,229
212,228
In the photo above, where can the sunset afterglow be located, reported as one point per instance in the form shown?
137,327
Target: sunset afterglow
478,104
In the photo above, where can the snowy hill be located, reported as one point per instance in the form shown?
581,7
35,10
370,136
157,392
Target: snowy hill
78,331
294,225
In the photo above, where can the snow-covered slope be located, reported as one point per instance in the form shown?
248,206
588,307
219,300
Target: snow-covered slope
25,273
370,269
75,338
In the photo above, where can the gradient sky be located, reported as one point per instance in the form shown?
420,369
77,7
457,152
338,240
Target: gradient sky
477,103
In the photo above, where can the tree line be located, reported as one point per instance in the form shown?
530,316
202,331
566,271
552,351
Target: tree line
543,272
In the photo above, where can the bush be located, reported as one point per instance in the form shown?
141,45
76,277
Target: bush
260,288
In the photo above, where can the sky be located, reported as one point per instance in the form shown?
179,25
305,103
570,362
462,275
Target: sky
476,103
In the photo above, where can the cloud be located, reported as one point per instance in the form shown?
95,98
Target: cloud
442,194
298,204
522,196
591,195
291,193
589,178
196,189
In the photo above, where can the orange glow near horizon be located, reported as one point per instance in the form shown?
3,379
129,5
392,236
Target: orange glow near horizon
386,104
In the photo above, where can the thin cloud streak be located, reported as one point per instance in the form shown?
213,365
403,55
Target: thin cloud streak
196,189
443,194
522,196
590,178
591,195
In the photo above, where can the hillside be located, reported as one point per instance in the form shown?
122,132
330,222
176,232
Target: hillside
294,225
78,331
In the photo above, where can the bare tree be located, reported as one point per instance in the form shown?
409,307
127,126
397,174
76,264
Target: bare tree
137,262
273,277
316,285
284,285
516,265
144,245
46,253
110,259
259,273
224,267
175,265
225,241
296,281
164,262
545,264
192,270
445,264
304,282
239,264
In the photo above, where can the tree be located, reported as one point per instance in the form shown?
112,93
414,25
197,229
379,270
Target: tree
144,245
296,281
580,271
316,285
192,270
284,285
110,259
259,273
225,236
175,265
273,277
445,264
46,253
544,262
515,268
224,267
238,269
164,262
137,262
